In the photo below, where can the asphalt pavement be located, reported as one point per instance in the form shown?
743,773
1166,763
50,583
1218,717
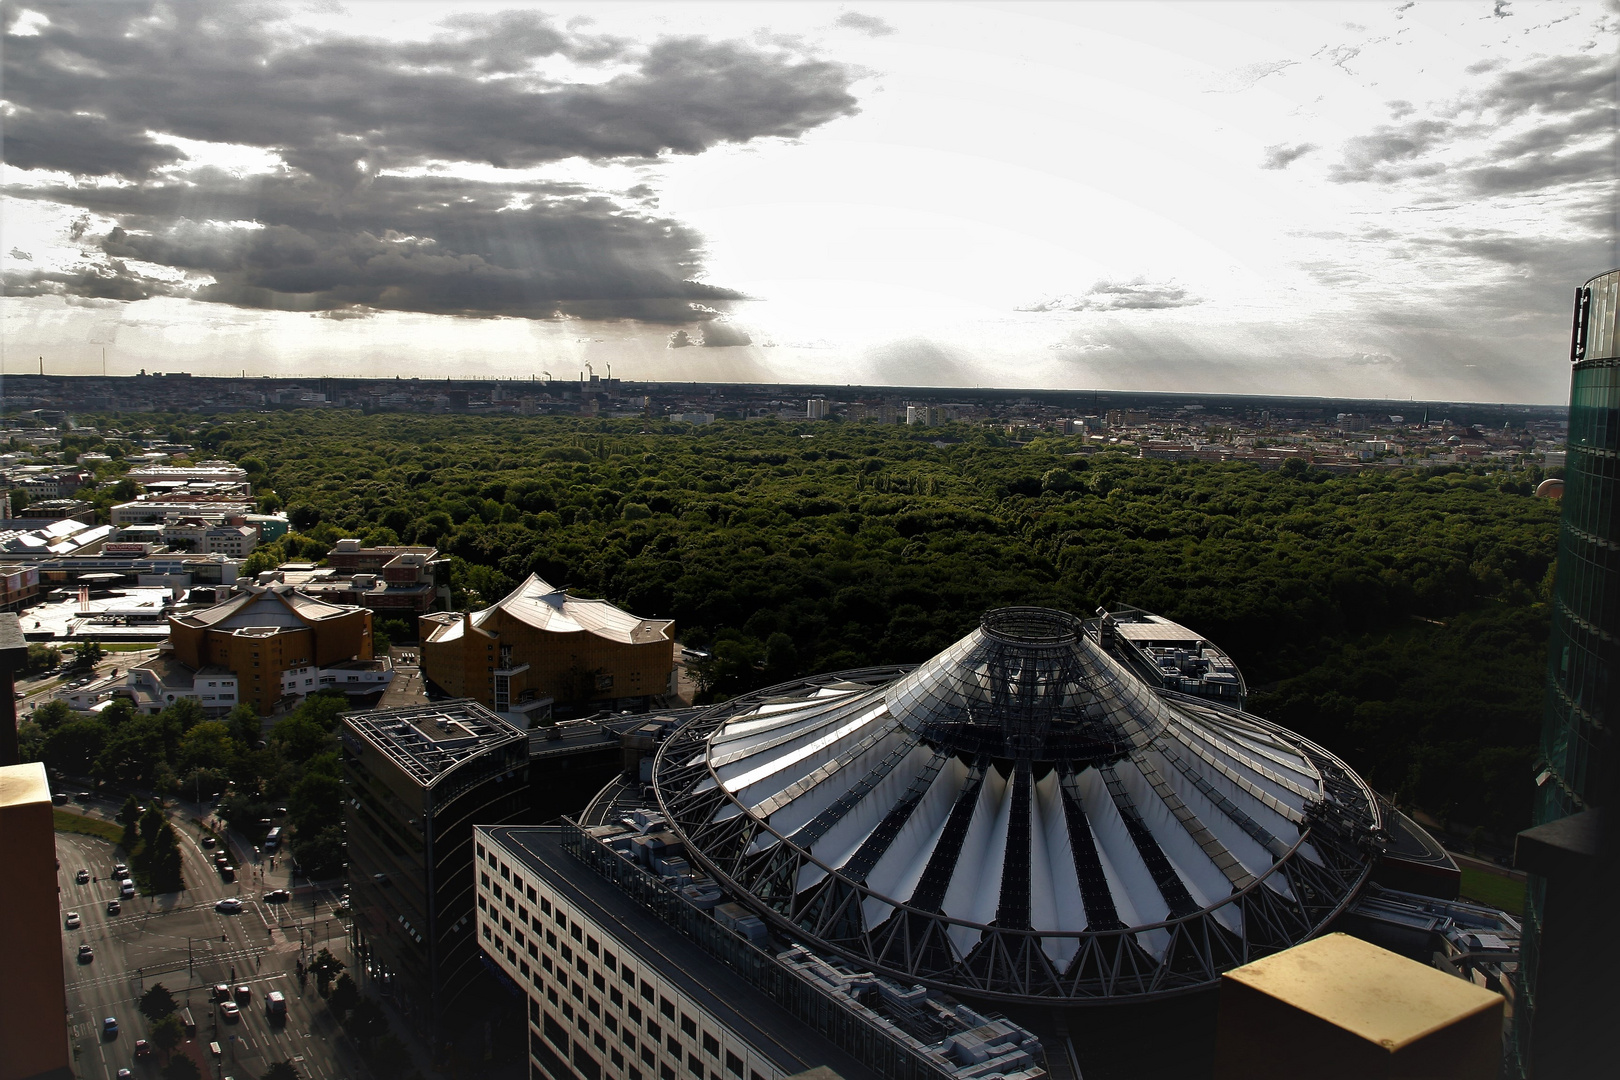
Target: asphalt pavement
178,939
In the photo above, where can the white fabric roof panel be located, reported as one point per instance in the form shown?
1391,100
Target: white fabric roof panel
821,769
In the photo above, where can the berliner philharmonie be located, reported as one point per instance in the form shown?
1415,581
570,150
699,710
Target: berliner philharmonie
1033,854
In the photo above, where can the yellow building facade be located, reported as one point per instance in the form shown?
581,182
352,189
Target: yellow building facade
539,646
264,634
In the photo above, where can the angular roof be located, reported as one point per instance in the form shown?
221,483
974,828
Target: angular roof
549,608
1021,817
274,606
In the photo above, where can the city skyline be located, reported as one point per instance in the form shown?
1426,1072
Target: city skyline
1377,200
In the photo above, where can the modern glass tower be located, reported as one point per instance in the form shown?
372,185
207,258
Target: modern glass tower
1583,671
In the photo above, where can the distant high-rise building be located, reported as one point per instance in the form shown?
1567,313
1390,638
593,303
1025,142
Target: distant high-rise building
1584,657
817,409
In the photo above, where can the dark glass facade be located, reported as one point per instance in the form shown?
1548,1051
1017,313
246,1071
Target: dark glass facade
1583,672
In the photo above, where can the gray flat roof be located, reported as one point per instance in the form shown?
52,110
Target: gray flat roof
735,1002
428,741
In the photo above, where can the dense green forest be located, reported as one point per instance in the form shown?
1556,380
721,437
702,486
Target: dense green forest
1398,617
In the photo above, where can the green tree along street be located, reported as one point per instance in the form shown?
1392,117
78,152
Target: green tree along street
181,1068
1397,616
157,1002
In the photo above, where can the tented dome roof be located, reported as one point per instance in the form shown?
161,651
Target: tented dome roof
1020,817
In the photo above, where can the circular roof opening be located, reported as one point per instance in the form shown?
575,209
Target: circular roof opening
1031,625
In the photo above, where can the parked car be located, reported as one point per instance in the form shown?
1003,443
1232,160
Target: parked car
277,896
221,859
231,1011
209,841
86,954
59,798
114,907
109,1028
82,877
72,920
84,796
229,906
227,873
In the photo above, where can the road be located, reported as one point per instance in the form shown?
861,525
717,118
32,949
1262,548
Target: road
178,939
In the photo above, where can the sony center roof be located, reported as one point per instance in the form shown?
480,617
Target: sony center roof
1021,818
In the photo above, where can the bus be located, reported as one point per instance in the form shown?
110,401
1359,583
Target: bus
272,839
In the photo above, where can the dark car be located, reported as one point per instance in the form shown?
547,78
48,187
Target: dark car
209,841
221,859
143,1049
114,907
277,896
227,873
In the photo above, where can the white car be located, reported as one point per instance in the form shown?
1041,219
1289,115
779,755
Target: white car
73,920
228,906
126,888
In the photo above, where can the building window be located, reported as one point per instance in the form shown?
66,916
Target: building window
673,1045
688,1026
545,905
711,1045
530,891
616,997
647,992
734,1065
654,1032
694,1065
591,946
482,904
634,1012
647,1057
628,977
596,980
556,1034
667,1007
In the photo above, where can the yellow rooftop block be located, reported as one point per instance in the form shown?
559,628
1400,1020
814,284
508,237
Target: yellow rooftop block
1341,1007
24,784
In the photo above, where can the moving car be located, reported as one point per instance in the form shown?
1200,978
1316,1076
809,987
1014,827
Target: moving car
227,873
114,907
125,1074
222,992
231,1011
109,1028
85,954
143,1048
244,994
120,870
127,889
72,920
209,841
275,1006
82,877
229,906
277,896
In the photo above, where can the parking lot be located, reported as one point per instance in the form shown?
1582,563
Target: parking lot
181,941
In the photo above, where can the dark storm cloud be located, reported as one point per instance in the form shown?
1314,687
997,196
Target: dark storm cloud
1138,294
98,89
1562,116
1282,155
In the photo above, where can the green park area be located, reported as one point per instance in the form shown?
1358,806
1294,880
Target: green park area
1398,617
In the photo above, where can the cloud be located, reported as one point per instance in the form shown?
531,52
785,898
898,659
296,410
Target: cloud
870,25
1282,155
1138,294
680,339
1392,153
1248,76
724,335
362,204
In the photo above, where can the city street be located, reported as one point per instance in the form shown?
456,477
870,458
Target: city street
182,942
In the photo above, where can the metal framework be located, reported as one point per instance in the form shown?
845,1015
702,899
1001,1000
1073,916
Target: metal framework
1028,695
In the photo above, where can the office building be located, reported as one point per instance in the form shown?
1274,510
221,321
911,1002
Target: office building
970,868
416,781
539,648
280,645
1583,671
33,996
395,581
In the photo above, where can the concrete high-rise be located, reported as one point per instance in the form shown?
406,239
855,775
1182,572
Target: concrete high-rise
33,997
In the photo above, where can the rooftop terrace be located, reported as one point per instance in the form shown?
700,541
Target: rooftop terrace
427,741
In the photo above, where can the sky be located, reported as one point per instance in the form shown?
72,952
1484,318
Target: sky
1368,199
